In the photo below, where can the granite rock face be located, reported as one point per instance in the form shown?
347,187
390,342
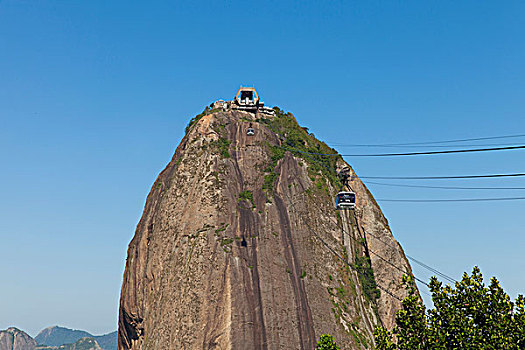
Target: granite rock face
240,246
15,339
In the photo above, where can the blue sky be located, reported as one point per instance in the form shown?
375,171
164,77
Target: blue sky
95,95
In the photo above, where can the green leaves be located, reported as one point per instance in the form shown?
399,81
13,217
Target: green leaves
248,196
383,339
297,140
326,342
468,315
366,277
223,145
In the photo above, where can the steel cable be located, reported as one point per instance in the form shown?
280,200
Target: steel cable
414,153
445,187
445,141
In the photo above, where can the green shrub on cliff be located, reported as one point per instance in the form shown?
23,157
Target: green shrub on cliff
326,342
366,276
246,195
301,143
223,145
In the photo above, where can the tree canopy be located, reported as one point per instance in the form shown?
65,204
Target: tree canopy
326,342
466,316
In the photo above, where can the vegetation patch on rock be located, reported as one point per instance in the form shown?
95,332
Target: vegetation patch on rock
303,144
248,196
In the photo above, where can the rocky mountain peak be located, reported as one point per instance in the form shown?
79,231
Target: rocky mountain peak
15,339
240,245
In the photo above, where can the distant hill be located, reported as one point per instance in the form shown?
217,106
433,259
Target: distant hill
15,339
107,341
56,336
81,344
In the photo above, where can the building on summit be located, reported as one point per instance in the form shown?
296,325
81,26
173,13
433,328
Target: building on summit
247,99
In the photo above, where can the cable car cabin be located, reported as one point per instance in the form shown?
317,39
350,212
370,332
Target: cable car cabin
345,200
250,131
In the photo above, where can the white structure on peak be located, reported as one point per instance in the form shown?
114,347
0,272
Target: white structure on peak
246,99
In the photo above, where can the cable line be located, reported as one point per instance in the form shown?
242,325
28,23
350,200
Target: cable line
450,279
415,153
442,177
430,146
430,268
422,264
441,187
458,177
387,261
452,200
445,276
438,142
446,187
